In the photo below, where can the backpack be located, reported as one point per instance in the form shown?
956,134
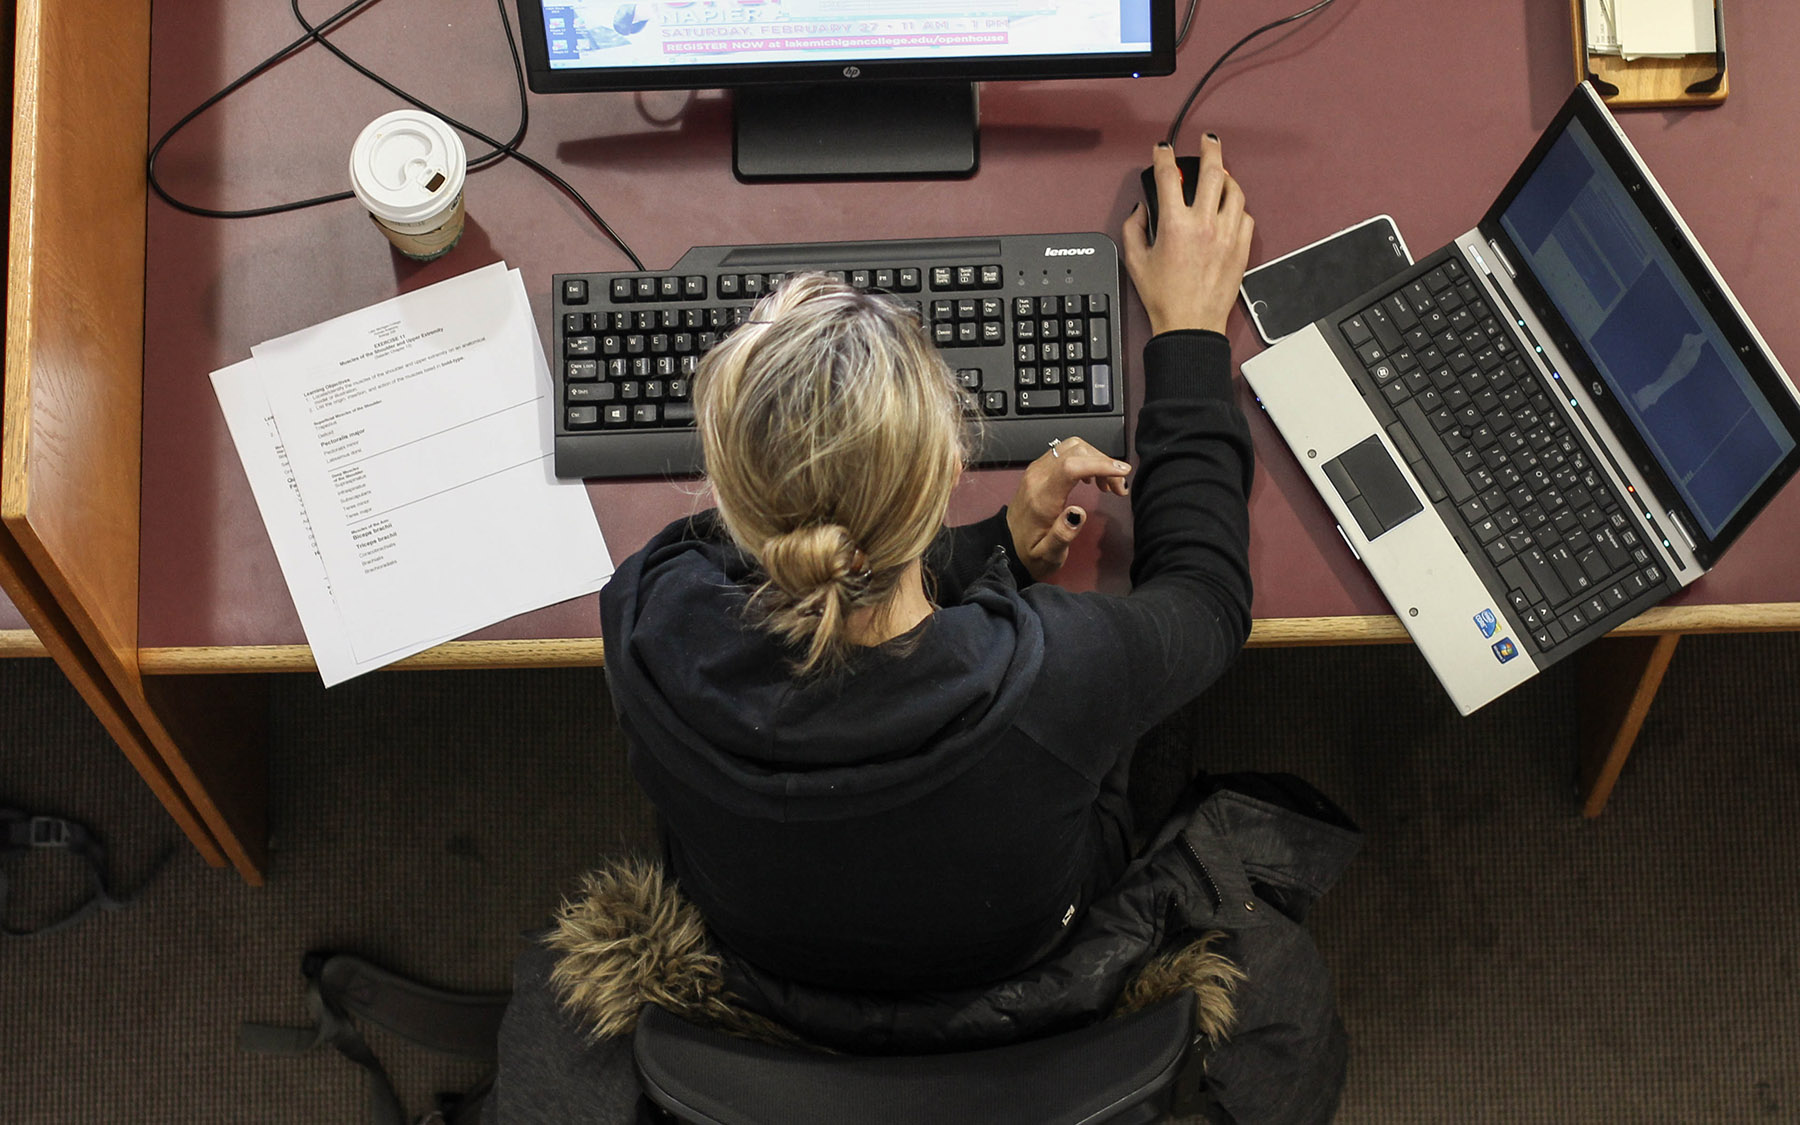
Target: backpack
340,986
21,831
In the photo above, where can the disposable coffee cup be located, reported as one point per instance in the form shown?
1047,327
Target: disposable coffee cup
407,168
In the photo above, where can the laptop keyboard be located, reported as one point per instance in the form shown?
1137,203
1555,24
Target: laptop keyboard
1486,442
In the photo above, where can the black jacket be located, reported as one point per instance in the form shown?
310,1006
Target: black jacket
1213,905
933,816
1235,870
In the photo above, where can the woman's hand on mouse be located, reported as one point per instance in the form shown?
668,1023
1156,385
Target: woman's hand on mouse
1190,277
1042,521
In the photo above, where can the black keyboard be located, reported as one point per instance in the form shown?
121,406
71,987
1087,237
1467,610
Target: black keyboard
1499,459
1028,323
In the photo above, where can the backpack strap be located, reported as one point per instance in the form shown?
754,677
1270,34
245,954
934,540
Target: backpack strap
20,832
341,985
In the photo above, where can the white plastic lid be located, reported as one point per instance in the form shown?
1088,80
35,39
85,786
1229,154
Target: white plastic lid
407,166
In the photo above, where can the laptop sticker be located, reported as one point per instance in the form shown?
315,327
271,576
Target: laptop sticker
1487,622
1505,650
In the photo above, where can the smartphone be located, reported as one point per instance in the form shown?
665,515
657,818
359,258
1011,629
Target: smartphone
1294,290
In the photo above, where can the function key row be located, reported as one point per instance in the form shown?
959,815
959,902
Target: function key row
749,286
888,280
625,290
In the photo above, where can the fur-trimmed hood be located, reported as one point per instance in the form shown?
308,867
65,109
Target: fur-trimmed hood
1215,903
629,938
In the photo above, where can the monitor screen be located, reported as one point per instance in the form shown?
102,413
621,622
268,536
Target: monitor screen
1640,317
651,44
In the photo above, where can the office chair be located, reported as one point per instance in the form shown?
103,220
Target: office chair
1120,1071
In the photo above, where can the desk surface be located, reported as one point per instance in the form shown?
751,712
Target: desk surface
11,620
1314,123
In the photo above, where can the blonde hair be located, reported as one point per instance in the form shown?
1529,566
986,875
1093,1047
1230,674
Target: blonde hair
832,434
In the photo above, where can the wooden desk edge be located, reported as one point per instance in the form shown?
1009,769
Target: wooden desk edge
590,652
20,642
206,660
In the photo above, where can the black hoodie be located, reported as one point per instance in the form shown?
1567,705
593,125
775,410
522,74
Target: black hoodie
936,814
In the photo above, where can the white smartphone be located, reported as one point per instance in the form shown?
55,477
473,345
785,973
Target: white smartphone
1289,293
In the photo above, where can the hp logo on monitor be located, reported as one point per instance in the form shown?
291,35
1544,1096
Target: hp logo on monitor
853,72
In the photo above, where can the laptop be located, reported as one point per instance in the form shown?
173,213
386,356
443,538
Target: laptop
1537,432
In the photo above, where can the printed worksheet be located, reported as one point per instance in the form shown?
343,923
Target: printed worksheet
245,402
418,435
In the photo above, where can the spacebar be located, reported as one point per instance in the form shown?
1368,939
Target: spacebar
1432,447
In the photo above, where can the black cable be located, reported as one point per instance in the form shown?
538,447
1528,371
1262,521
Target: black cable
499,150
1187,23
233,86
510,148
316,33
1175,126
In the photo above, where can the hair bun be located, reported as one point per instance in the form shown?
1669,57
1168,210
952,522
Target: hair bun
804,560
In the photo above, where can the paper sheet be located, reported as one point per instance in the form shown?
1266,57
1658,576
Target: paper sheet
245,402
1602,31
418,500
1664,28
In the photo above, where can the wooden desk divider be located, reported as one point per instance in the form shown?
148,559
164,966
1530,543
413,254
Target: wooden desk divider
73,404
1691,80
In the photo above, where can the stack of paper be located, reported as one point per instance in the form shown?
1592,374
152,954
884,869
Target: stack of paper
401,459
1650,28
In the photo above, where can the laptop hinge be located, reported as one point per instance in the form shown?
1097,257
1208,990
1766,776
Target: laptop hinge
1681,526
1501,254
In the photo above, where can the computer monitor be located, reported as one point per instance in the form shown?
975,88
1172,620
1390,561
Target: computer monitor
843,88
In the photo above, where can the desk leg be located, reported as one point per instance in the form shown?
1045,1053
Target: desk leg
213,732
1616,680
63,643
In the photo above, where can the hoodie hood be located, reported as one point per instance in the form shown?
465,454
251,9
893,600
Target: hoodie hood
711,696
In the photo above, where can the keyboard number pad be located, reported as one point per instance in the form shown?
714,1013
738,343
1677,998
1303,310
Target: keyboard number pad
1062,354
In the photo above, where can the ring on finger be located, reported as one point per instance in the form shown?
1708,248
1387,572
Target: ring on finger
1055,452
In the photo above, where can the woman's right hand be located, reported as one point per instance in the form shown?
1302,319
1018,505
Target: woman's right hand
1042,521
1189,277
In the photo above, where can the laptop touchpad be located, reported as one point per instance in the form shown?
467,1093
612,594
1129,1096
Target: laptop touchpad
1373,487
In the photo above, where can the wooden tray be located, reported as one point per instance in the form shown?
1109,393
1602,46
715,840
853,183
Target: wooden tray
1652,82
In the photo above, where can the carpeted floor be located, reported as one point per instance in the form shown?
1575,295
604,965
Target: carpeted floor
1498,958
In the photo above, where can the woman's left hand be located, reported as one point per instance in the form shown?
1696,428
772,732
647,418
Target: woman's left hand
1042,521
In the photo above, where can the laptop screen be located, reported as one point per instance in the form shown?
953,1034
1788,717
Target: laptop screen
1662,354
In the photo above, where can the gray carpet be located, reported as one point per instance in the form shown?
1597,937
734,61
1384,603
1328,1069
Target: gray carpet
1498,958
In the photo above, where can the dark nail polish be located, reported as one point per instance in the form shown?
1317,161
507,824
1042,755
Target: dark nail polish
1074,519
1213,137
1163,144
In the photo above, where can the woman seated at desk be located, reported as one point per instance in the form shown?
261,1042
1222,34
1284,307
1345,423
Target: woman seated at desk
885,759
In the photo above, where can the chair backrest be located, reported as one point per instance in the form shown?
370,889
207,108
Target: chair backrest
1118,1072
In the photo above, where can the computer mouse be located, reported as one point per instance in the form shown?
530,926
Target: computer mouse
1190,179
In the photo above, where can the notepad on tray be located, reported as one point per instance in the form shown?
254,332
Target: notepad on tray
1638,29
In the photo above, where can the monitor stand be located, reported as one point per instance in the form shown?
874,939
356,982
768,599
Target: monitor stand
849,131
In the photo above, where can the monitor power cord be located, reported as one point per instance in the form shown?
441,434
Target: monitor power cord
1181,35
1187,23
316,33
